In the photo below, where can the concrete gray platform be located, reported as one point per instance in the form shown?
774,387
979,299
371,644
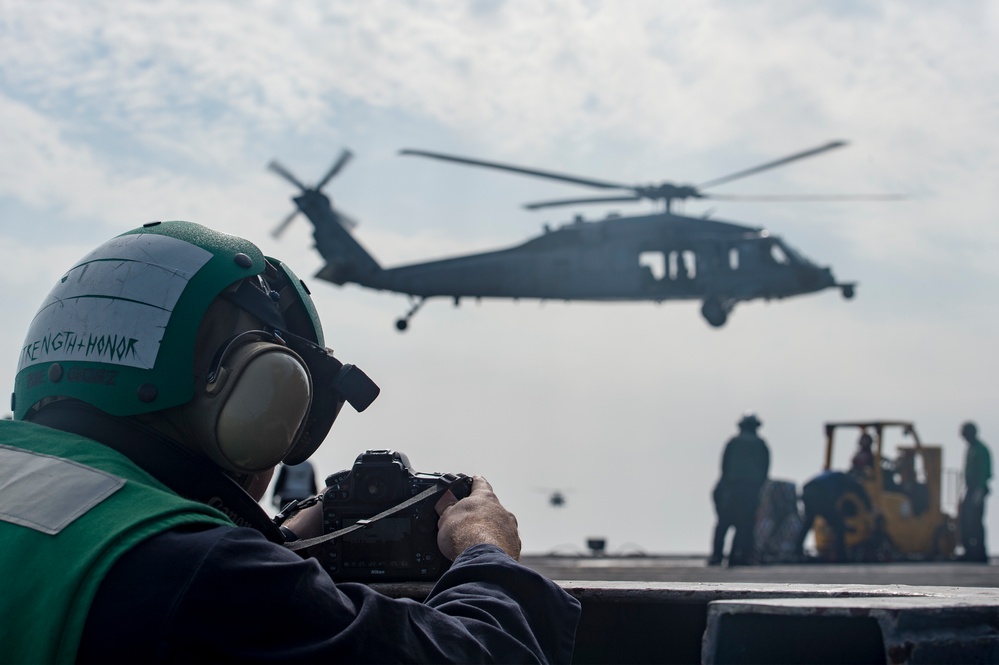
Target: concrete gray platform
673,609
678,610
688,568
719,622
948,627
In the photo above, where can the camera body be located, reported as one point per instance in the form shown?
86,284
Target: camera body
399,547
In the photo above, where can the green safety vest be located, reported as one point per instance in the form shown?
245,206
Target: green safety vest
69,508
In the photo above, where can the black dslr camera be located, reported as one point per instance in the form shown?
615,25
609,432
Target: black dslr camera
399,547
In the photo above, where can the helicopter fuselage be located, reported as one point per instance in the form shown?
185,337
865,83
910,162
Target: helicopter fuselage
653,257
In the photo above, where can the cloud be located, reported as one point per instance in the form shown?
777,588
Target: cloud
763,77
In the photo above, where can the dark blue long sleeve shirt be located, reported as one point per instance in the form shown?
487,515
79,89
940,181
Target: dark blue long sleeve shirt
228,595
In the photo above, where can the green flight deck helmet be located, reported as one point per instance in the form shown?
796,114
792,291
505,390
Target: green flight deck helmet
134,328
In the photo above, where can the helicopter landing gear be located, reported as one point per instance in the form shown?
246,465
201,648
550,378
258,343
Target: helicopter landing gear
715,312
401,324
848,291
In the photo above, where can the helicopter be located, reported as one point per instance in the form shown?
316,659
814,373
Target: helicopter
556,498
647,257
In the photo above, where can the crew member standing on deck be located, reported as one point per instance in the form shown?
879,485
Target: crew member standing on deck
977,473
744,469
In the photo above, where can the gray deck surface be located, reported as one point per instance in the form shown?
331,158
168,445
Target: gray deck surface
693,569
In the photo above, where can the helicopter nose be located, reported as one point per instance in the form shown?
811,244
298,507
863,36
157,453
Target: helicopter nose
817,278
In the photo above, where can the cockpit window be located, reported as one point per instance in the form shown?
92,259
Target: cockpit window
793,255
778,255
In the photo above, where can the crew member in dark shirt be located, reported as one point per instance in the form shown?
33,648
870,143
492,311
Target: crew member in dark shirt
977,473
164,378
863,460
744,469
822,497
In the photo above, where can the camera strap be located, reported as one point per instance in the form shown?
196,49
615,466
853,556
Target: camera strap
443,485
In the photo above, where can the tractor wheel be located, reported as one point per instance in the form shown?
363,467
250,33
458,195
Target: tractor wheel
880,547
856,519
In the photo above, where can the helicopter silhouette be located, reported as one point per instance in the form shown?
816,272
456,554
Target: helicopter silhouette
647,257
556,498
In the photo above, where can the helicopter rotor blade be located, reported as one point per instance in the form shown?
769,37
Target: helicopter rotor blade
779,162
806,197
588,182
280,228
286,174
566,202
340,163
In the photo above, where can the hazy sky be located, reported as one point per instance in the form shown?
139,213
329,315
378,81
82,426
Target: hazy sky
113,114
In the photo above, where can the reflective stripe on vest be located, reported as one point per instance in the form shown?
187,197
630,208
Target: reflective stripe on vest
70,489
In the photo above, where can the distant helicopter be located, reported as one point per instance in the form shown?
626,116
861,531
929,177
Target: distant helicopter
658,257
556,497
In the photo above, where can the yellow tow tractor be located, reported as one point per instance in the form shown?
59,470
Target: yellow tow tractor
901,515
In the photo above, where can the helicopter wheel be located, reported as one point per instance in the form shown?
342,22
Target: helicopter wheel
403,322
714,313
848,291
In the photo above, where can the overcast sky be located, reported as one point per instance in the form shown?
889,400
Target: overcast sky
113,114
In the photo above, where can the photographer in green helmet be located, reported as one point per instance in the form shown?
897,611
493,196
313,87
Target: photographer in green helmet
160,383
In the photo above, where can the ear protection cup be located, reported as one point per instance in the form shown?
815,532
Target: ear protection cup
253,407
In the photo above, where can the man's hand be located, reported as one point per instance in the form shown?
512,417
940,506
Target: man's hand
478,518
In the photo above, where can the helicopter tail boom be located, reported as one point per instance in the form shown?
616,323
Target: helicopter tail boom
346,259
